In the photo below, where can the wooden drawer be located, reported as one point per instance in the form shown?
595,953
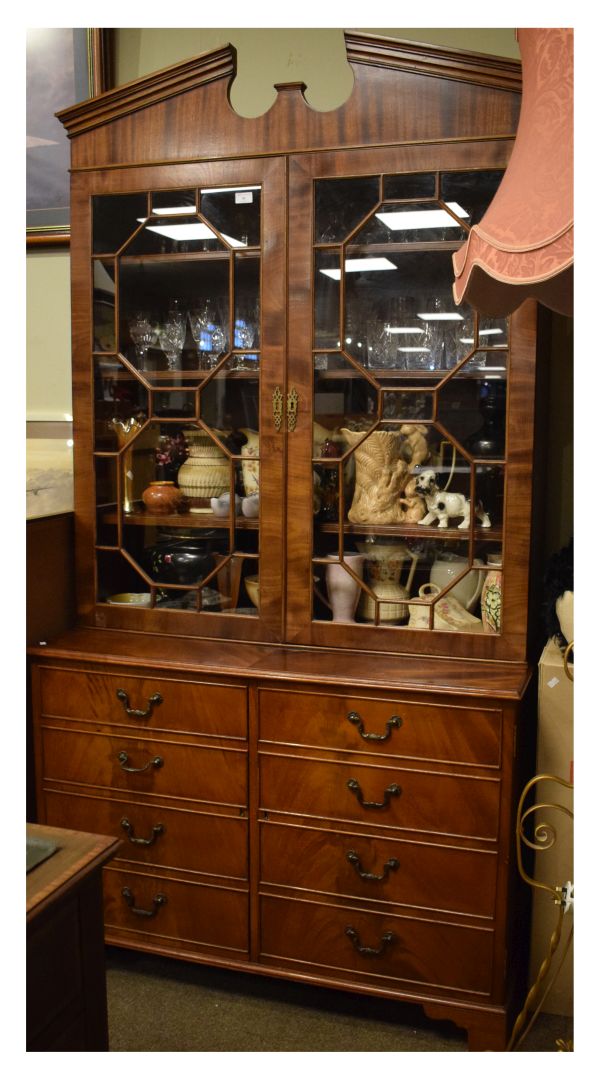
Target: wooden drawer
429,802
189,772
183,839
445,733
201,708
430,954
191,915
424,875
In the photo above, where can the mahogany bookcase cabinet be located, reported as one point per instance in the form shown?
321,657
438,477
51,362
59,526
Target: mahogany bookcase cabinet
294,688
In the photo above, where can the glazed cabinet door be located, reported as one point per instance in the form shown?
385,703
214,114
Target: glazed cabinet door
179,311
409,493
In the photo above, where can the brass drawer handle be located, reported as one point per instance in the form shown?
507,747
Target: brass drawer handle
356,719
157,830
139,714
155,763
364,875
157,902
387,939
390,792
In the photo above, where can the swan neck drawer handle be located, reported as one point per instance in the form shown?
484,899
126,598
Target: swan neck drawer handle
386,940
139,714
157,902
394,790
157,830
155,763
356,719
364,875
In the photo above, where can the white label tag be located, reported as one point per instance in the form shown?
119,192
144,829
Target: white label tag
243,196
553,682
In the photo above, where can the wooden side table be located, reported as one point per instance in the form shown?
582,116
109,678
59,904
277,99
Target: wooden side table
66,977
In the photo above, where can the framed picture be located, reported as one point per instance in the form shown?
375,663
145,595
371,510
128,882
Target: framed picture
63,66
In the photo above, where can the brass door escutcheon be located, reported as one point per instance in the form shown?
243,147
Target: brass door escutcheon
293,400
277,408
356,719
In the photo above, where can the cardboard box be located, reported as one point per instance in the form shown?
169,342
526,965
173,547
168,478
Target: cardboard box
554,866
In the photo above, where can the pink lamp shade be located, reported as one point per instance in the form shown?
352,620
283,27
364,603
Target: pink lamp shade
523,246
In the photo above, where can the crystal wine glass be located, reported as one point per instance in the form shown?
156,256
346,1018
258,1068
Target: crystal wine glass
143,335
171,337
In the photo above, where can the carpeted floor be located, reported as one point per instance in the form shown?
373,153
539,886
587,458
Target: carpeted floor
156,1004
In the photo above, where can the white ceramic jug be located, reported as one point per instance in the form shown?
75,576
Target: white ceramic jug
448,566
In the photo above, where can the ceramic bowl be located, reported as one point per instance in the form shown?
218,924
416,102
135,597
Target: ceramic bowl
251,584
131,599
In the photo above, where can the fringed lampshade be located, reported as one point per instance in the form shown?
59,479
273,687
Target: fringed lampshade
523,246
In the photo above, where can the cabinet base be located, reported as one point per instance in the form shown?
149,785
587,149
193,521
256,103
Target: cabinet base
487,1028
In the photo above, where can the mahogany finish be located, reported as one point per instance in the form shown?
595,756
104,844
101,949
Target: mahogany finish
66,980
245,796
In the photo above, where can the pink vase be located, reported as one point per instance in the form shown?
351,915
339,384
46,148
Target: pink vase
342,589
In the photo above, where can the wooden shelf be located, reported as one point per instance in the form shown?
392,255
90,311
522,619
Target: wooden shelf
183,520
426,532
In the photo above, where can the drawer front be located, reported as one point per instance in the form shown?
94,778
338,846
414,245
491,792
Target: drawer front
429,732
394,871
175,911
158,835
174,769
432,954
202,708
428,802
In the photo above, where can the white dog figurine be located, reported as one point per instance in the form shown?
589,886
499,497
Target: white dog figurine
442,505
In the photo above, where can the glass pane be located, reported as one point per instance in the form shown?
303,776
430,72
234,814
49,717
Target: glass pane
327,299
473,191
119,583
489,497
405,405
340,205
247,311
174,403
104,306
411,223
174,316
408,302
167,234
473,411
121,403
235,213
342,398
409,186
115,219
106,500
163,203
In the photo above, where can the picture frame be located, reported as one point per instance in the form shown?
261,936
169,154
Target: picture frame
64,66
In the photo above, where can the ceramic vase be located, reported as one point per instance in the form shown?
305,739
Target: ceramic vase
384,564
491,596
342,589
381,474
162,497
205,474
250,468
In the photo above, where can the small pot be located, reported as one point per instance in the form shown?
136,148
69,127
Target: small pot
162,497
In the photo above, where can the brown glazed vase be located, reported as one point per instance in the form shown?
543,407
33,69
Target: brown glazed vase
162,497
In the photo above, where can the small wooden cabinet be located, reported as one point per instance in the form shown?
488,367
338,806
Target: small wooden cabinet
296,690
